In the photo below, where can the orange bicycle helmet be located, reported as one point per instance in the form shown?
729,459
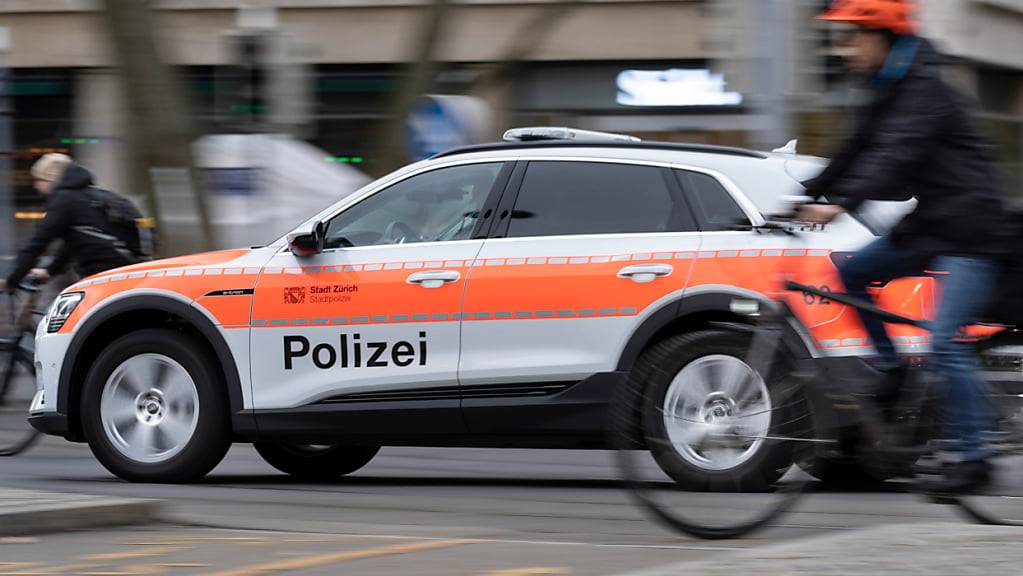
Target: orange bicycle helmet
893,15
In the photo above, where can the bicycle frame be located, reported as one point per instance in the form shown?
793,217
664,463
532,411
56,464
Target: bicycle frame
826,384
22,325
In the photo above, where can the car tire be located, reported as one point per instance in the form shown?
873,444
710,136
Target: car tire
668,376
315,462
154,408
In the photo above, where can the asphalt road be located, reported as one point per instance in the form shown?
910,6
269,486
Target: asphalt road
422,511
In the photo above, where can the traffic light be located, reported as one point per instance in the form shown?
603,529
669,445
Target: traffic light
246,82
265,87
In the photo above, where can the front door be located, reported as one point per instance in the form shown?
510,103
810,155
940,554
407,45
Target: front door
379,310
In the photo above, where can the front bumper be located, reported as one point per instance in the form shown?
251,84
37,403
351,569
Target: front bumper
50,351
52,423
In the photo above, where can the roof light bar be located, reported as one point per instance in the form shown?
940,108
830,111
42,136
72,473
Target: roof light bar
561,133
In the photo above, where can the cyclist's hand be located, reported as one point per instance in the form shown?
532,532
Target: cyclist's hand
40,275
818,213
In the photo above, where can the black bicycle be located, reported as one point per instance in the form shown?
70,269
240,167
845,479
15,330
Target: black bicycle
805,412
17,370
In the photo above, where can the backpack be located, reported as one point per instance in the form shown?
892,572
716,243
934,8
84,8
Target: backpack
127,230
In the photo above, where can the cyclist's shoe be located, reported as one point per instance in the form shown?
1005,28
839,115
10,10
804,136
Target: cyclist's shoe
960,478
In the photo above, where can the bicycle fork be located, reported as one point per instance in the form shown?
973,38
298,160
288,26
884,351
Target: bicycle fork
8,369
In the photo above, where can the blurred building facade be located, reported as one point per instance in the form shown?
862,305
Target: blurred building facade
732,72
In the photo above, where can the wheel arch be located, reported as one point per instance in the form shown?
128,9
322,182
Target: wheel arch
133,313
691,312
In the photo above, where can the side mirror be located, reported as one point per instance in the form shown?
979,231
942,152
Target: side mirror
307,241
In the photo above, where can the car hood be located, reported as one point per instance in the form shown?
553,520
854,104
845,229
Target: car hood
190,261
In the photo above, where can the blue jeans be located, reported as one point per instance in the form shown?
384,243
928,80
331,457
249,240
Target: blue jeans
965,292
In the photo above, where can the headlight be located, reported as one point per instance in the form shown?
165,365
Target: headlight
61,310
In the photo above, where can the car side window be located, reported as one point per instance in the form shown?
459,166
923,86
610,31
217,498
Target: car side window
440,205
568,198
716,209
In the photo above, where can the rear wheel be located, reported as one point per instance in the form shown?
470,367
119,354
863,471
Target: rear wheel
712,424
315,461
154,409
708,416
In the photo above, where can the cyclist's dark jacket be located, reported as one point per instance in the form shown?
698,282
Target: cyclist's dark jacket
916,138
70,216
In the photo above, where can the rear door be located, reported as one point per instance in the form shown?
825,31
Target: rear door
583,252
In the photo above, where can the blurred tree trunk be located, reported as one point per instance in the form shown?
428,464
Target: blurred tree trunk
421,71
159,123
496,85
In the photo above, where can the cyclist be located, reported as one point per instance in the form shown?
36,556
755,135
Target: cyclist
915,138
98,227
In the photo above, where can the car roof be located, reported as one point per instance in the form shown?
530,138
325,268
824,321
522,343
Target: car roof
764,177
560,145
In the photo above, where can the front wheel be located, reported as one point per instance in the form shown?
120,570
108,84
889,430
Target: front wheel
713,424
317,462
16,392
1001,501
154,409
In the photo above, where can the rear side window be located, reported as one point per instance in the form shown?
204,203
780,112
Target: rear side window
715,208
570,198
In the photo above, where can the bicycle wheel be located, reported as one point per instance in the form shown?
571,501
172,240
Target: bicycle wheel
1001,502
729,416
17,387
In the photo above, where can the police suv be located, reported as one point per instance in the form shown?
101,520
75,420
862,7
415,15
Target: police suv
495,295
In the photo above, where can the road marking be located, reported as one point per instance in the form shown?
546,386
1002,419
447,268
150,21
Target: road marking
315,561
183,565
139,570
177,541
48,570
133,554
528,571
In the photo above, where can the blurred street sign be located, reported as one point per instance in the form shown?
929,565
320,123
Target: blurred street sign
439,123
233,181
674,87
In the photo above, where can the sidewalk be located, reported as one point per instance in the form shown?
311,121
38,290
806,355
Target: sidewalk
907,549
28,512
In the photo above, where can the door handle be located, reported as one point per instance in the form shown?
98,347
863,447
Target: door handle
433,279
644,273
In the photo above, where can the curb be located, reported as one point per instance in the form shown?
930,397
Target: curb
24,512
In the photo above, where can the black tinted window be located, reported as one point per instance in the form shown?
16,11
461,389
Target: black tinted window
561,198
715,207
